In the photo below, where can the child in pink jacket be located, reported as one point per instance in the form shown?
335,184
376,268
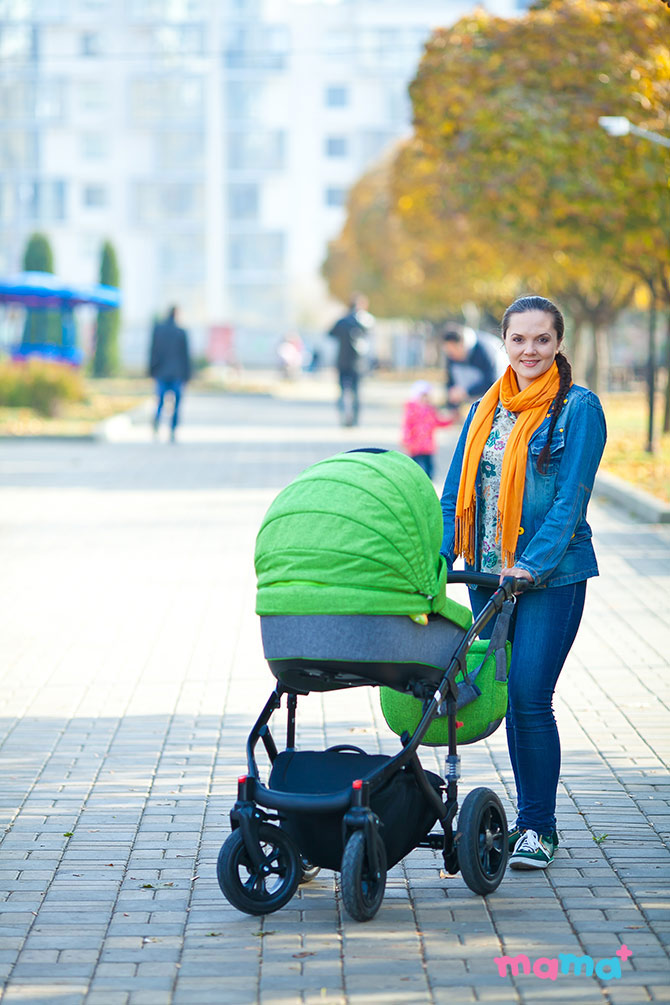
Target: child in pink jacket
420,421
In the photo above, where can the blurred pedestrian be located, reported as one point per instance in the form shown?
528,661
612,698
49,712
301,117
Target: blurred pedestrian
352,333
169,365
290,353
514,504
471,365
420,420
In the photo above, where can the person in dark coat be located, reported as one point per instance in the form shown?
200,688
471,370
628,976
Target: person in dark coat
169,365
352,335
471,366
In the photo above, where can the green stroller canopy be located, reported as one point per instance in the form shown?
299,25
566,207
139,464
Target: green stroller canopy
358,533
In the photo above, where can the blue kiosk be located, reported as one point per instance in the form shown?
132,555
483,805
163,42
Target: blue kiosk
42,292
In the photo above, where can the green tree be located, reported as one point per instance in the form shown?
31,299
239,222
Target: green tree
106,355
38,256
41,326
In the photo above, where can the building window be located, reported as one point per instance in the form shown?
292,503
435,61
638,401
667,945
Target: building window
49,99
170,202
94,146
91,43
336,196
244,99
179,40
260,251
257,302
18,150
180,150
91,96
165,10
18,41
336,146
337,96
169,98
95,196
257,47
43,200
262,151
182,257
243,202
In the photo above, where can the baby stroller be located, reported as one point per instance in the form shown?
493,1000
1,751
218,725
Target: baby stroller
352,593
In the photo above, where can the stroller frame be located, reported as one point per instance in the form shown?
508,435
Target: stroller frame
478,849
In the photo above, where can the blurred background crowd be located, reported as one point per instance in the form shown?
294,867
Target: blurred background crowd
259,162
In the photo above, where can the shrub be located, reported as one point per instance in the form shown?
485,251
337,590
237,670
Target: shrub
41,385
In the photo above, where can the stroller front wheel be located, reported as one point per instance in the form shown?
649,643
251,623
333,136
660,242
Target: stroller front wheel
481,841
362,890
263,888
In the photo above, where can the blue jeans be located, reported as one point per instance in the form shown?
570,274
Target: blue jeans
349,402
542,630
424,461
164,387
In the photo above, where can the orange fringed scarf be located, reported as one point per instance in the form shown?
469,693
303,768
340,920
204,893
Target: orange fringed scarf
531,406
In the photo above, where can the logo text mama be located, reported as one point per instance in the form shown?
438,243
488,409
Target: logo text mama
548,968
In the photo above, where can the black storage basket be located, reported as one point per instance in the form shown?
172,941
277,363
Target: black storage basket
405,815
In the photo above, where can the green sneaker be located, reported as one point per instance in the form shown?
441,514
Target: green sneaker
514,835
533,851
512,838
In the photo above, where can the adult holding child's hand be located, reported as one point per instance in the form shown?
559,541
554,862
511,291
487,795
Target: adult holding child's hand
514,503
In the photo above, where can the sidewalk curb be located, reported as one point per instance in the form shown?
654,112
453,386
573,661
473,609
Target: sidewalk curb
117,426
635,501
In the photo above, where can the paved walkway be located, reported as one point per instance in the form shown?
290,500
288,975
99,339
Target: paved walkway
131,671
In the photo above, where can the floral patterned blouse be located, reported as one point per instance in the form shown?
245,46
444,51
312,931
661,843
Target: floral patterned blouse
491,470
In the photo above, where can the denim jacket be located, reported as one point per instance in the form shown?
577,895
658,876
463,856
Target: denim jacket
554,543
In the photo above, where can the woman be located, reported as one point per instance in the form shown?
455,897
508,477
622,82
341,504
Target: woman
514,503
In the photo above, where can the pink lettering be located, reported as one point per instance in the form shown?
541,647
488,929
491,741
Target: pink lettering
545,968
514,963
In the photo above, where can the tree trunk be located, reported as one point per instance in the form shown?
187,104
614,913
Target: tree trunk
651,373
666,413
601,359
579,354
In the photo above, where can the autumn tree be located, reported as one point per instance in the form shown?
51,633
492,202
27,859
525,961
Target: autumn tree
511,108
509,184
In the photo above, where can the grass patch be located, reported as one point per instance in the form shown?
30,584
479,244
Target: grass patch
625,455
101,400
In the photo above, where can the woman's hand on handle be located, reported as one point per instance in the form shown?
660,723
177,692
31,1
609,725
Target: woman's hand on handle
516,573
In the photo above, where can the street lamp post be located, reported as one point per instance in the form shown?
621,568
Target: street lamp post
619,125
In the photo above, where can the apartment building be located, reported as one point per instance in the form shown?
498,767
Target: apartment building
213,141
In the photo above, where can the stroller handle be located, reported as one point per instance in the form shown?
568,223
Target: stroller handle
510,584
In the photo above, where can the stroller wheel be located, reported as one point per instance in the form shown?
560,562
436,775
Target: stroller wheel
481,841
259,889
362,891
308,870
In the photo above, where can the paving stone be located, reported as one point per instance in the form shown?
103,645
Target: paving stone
133,740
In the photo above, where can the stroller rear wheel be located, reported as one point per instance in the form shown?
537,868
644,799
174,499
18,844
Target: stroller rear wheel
481,841
263,888
362,890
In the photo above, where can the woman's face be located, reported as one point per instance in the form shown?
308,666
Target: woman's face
532,343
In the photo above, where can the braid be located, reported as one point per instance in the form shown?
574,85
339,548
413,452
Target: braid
565,380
